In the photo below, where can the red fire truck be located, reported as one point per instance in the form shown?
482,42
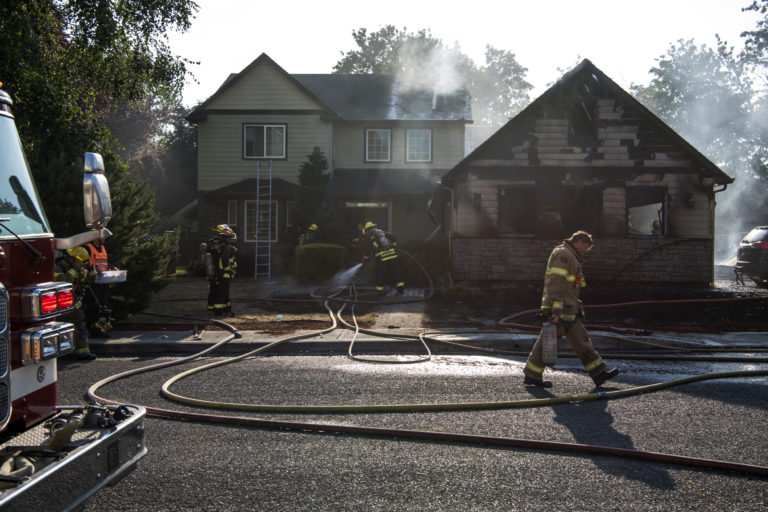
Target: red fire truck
51,457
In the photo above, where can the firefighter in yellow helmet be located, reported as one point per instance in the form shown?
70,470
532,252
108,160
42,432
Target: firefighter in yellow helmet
75,267
381,246
560,305
224,264
309,236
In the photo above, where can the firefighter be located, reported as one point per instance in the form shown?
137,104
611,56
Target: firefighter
381,245
224,269
560,305
75,267
97,297
309,236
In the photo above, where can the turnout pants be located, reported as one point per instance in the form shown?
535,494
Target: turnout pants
218,296
578,337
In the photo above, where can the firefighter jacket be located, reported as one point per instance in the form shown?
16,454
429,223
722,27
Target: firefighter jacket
79,276
98,257
224,261
563,282
379,244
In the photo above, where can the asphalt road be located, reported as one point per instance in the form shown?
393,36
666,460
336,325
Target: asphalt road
197,466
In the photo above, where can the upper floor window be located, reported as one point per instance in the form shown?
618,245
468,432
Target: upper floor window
418,145
264,141
377,145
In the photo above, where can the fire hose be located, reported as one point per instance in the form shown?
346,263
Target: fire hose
414,434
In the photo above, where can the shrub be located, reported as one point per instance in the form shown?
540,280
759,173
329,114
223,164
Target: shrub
315,263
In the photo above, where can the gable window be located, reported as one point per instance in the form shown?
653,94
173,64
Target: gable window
418,145
646,211
264,141
377,145
517,211
260,221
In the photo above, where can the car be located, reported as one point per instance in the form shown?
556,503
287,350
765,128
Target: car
752,257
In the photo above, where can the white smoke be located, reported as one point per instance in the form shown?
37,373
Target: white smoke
437,70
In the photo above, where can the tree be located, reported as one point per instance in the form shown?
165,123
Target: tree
708,96
313,180
498,89
69,64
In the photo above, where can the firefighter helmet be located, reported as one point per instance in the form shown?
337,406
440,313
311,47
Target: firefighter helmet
79,253
312,227
368,225
224,231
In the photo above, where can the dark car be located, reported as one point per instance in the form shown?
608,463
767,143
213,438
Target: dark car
752,257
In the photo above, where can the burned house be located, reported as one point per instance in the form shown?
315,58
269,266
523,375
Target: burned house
584,155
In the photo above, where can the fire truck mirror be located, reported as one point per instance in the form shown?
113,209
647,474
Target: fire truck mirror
97,204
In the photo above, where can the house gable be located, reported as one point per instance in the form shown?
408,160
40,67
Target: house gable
262,86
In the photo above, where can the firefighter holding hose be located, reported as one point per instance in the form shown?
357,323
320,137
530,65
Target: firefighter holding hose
380,245
560,305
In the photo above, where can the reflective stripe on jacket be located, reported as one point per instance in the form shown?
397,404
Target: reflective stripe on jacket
98,257
563,282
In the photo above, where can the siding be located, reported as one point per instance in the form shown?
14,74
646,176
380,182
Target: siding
264,87
220,153
447,145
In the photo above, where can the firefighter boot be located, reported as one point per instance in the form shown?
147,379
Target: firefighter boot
607,375
530,381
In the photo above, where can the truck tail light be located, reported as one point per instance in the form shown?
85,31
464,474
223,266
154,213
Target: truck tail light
53,339
65,298
46,300
48,303
761,245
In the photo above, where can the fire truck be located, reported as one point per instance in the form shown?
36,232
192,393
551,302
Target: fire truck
51,457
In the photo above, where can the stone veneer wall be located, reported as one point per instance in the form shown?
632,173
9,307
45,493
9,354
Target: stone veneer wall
637,260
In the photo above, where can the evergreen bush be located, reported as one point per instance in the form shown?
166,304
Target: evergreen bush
315,263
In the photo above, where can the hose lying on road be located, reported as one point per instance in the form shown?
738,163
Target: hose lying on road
415,434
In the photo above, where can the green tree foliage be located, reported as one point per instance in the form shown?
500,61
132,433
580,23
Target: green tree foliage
313,178
708,95
69,65
498,88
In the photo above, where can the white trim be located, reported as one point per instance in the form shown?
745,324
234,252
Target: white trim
25,381
389,145
408,145
265,126
275,224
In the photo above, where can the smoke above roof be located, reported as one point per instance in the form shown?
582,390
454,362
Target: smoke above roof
436,70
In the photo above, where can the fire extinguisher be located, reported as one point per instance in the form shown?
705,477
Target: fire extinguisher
549,344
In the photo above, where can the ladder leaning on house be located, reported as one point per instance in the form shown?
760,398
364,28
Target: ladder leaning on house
263,235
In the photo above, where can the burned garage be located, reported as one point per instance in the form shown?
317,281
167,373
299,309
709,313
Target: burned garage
584,155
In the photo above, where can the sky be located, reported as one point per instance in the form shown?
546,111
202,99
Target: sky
548,37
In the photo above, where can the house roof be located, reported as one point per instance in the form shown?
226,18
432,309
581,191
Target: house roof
362,97
600,81
248,188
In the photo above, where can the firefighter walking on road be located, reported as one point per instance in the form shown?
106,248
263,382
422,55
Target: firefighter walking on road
381,246
560,305
75,267
221,270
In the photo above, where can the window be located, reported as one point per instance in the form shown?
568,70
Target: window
377,147
517,211
646,211
259,215
264,141
232,213
418,145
